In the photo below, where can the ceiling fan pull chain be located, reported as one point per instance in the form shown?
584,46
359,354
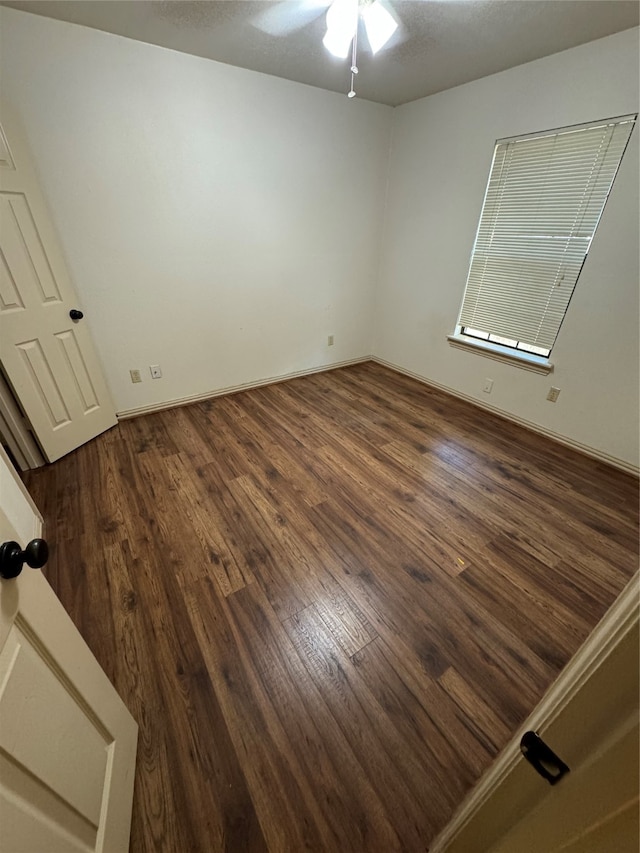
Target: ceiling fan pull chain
354,63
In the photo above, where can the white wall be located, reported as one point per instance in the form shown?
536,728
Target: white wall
440,159
219,222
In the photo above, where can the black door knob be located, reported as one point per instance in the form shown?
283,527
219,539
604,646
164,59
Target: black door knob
12,557
75,314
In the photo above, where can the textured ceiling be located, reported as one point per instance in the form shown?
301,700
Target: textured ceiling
438,44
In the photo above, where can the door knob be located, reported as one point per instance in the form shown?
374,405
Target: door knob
12,557
75,314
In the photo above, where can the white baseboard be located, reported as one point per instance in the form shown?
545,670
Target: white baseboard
561,439
599,645
233,389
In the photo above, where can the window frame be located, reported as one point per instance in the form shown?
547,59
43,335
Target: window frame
506,353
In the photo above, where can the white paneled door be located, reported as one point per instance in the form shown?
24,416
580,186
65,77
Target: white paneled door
67,742
47,355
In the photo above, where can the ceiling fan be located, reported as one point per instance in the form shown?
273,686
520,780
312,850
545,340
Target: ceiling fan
342,20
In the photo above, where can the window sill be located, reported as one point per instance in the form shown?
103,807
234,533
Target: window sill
524,360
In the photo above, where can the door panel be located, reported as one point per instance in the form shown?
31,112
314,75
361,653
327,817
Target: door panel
67,742
78,369
29,685
20,834
38,368
25,254
48,358
9,297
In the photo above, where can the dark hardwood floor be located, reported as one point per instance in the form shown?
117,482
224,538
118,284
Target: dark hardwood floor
328,602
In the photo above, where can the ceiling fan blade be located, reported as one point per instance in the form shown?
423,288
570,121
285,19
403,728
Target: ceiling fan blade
379,24
285,18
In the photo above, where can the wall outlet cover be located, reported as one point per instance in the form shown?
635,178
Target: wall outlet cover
135,376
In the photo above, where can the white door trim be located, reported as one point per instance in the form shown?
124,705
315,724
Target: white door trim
599,645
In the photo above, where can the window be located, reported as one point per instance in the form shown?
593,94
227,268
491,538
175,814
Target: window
542,205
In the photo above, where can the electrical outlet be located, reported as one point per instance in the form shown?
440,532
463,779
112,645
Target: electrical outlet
135,376
488,385
553,394
330,341
156,371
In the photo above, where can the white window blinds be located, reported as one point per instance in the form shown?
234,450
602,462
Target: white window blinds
542,205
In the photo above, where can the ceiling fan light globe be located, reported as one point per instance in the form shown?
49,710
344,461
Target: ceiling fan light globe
337,43
342,22
379,24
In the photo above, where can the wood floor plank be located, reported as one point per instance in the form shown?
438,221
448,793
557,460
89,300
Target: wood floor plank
411,702
290,815
284,449
447,484
328,602
204,501
206,774
542,629
290,414
149,435
476,712
346,622
315,578
391,768
192,437
343,791
418,608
